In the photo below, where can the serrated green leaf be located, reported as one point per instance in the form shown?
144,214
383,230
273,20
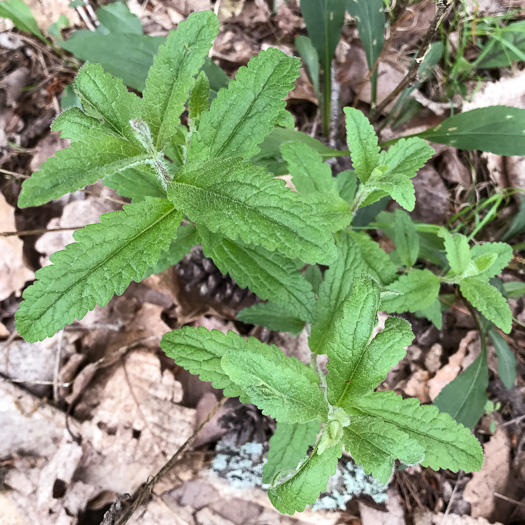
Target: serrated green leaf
268,274
310,174
506,359
200,351
282,387
496,129
75,124
406,238
458,251
288,446
79,165
399,187
488,301
376,444
347,185
314,276
105,96
102,262
234,124
180,246
173,73
305,485
199,99
136,183
434,314
273,317
20,14
502,250
362,143
465,397
446,443
375,258
406,157
337,284
243,202
419,289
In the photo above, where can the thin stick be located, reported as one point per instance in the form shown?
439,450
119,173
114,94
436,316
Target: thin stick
451,498
25,233
14,174
145,491
443,9
510,500
57,364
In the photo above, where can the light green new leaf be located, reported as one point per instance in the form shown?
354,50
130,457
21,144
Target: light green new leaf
501,249
305,485
180,246
446,443
242,201
362,143
20,14
338,281
376,444
106,97
288,446
496,129
102,262
268,274
78,126
458,251
282,387
173,73
382,183
200,351
406,157
243,115
310,174
488,301
79,165
273,317
406,238
418,289
465,397
506,359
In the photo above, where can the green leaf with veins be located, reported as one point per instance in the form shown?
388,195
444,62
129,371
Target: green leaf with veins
376,444
458,251
487,300
272,316
310,175
503,254
306,483
244,202
200,351
406,238
234,124
105,259
406,157
418,289
446,443
173,73
282,387
270,275
136,183
199,100
75,124
288,446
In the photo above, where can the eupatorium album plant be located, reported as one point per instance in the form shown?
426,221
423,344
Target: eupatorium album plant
196,184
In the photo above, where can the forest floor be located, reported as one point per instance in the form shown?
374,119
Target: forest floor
89,415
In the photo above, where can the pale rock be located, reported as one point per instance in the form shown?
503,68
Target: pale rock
394,515
208,517
425,517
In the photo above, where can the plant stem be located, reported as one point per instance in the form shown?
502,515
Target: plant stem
327,99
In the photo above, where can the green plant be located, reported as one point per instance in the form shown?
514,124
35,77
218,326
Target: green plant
260,232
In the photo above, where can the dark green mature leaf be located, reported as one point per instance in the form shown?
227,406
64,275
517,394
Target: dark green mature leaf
310,174
200,351
288,446
465,397
75,167
136,183
362,143
496,129
406,238
324,21
233,125
199,99
75,124
117,18
310,58
242,201
376,444
419,289
173,73
347,185
20,14
269,275
273,317
105,259
517,225
506,359
488,301
180,246
447,444
503,49
282,387
370,17
305,485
